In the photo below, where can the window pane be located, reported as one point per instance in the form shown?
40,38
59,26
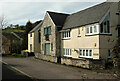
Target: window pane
78,31
105,28
49,30
83,52
87,30
108,27
90,52
45,31
69,33
86,52
30,34
95,29
101,28
80,52
90,29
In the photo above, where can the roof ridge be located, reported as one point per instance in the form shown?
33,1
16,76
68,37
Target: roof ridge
57,12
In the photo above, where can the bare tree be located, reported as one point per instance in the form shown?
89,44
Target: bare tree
3,23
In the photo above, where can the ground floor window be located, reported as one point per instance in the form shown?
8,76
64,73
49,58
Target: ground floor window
87,53
67,52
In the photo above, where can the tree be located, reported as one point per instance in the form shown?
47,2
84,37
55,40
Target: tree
28,28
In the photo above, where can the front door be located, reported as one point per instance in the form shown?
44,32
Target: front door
47,48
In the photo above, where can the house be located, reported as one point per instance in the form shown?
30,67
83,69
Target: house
34,39
50,36
83,39
11,42
90,35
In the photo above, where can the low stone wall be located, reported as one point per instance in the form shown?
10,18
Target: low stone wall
45,57
84,63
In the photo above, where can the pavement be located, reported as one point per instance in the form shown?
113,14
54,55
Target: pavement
39,69
8,73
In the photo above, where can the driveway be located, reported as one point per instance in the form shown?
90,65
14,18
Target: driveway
45,70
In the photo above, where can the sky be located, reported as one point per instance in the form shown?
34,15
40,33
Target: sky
19,12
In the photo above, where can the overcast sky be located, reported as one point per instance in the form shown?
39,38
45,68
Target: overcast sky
20,12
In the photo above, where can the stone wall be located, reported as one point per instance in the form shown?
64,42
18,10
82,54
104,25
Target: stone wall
45,57
84,63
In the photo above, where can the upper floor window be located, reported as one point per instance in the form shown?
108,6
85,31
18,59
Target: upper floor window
47,31
66,35
30,34
92,30
30,47
105,25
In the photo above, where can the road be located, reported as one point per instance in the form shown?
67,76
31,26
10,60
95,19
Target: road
39,69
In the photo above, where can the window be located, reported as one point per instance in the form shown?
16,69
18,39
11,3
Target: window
86,53
66,35
92,29
105,25
78,31
30,34
67,52
30,47
47,31
51,46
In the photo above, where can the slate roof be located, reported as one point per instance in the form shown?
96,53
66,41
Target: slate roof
88,16
58,18
10,36
35,28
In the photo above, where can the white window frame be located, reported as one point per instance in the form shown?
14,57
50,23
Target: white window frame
92,26
85,53
66,35
67,52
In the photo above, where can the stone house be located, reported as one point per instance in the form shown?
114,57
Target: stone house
50,36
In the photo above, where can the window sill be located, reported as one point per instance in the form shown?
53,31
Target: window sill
79,36
67,56
66,38
85,57
109,34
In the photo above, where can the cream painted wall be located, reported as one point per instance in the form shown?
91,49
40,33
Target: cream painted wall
31,41
83,42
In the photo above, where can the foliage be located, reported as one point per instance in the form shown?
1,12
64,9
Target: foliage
12,30
16,55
